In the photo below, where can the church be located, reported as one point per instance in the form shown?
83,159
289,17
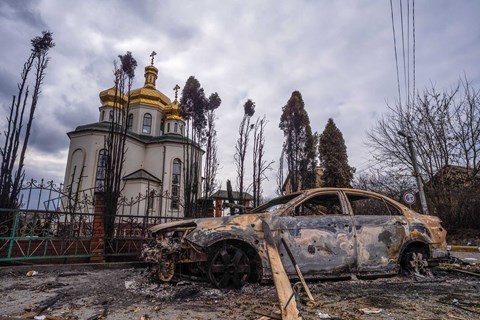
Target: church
155,149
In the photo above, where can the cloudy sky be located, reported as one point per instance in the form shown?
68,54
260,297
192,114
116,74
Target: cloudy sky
338,54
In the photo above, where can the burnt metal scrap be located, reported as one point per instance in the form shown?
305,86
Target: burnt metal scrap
332,233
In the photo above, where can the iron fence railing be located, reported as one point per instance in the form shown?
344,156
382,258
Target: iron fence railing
56,224
41,235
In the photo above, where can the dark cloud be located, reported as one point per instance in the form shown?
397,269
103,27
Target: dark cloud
338,54
24,10
48,138
8,86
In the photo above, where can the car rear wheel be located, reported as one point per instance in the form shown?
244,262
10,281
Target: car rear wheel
414,260
229,266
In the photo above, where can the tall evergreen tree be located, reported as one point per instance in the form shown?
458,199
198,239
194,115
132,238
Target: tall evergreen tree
300,147
334,158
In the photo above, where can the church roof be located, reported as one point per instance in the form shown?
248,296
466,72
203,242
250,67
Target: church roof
141,174
172,111
104,127
108,97
147,95
223,194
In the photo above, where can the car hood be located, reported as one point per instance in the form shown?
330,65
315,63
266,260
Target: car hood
173,224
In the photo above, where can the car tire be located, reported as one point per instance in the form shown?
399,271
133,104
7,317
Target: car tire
229,266
414,261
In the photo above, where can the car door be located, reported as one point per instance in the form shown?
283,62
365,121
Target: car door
380,231
319,232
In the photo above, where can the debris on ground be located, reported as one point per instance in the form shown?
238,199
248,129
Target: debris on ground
32,273
129,294
370,310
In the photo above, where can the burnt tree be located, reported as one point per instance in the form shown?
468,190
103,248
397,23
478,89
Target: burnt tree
196,108
20,118
260,165
244,131
114,157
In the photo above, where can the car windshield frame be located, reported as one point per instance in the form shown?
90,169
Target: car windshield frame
277,203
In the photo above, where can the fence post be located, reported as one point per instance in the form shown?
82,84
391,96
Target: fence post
98,237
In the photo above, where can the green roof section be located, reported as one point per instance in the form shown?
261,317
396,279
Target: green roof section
223,194
141,175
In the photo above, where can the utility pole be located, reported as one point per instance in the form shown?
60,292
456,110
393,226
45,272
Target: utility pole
413,156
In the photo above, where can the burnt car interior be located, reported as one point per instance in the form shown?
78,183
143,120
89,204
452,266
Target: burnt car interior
369,206
320,205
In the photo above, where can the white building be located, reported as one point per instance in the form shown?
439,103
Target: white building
155,148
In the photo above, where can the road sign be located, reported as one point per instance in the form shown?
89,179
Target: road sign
409,197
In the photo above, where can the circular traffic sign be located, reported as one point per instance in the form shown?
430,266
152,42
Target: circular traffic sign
409,197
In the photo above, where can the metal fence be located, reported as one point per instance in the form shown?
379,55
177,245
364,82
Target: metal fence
55,225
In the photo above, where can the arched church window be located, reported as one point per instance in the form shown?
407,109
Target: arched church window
110,115
168,127
176,169
103,115
151,198
130,122
175,127
147,123
101,170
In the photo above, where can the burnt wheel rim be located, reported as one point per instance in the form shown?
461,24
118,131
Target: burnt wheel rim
416,263
229,267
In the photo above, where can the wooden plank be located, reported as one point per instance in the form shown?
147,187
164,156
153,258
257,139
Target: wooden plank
311,301
286,296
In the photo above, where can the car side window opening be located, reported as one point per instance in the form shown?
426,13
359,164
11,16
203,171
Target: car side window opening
363,205
320,205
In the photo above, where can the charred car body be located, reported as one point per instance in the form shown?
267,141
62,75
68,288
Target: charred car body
332,233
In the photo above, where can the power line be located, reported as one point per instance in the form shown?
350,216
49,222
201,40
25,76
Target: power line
408,50
403,50
396,57
413,23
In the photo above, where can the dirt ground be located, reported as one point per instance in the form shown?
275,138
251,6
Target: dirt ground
85,292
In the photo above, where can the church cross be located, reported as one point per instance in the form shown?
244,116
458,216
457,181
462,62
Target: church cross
153,54
177,87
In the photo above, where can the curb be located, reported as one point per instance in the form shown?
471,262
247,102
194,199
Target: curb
463,248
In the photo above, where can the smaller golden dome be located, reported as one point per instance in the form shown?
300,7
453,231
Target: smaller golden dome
107,98
173,112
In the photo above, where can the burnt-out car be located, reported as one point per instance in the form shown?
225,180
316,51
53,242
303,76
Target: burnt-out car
332,233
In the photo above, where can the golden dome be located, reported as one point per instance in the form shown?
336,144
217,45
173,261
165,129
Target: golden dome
148,94
173,112
107,97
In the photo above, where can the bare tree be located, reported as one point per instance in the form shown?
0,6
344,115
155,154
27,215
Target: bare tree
16,140
260,165
392,182
116,139
445,127
241,146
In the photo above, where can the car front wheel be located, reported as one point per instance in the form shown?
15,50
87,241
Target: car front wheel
228,266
